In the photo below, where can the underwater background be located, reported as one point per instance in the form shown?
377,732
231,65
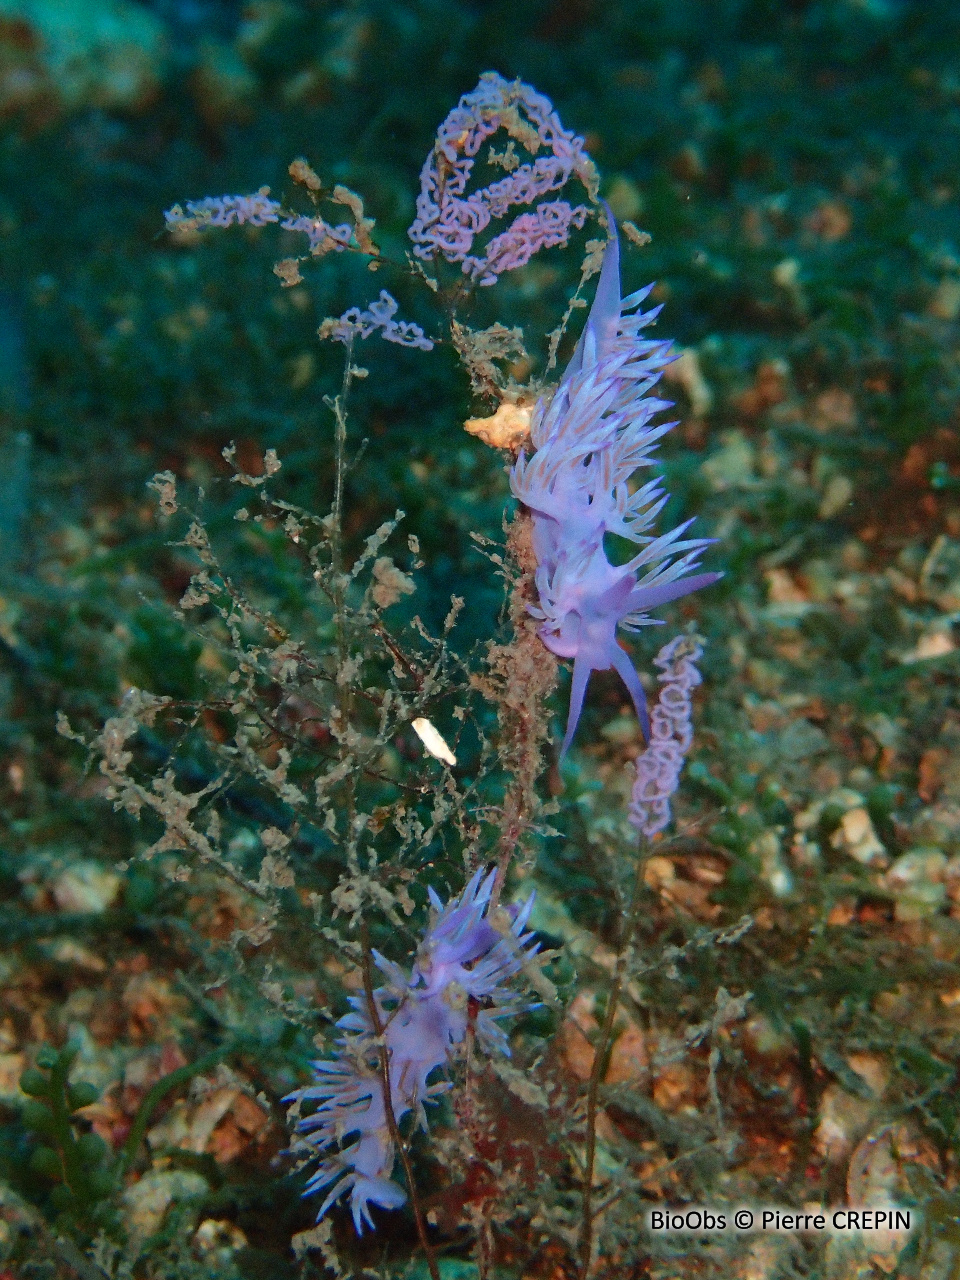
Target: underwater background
785,1027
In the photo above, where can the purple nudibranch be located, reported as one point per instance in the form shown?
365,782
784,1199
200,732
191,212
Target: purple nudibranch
589,438
469,953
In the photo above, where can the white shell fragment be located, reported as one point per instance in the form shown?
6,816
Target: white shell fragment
433,743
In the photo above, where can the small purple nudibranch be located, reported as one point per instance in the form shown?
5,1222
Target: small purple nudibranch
463,959
588,441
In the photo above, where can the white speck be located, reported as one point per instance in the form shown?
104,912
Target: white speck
433,743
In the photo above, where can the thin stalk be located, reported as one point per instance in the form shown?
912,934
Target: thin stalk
523,676
392,1125
339,581
339,407
600,1062
156,1094
469,1113
513,828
